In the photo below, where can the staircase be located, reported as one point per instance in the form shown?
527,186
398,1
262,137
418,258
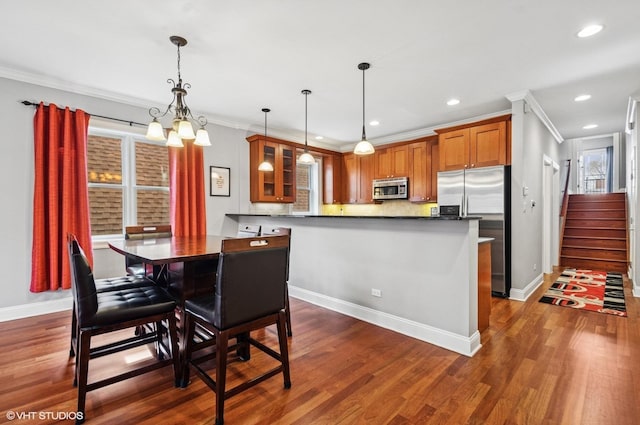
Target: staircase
595,233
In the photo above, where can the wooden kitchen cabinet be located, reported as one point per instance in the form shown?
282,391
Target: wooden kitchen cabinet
332,174
391,162
423,171
278,185
481,145
357,177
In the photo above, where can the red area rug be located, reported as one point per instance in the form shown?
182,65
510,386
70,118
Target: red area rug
588,290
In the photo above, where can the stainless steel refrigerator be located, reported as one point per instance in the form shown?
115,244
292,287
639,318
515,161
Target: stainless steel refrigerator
484,192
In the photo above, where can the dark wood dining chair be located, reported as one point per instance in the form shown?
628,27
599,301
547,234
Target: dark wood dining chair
105,312
133,266
277,231
249,295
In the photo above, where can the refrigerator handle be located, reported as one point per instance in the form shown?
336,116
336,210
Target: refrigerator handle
463,206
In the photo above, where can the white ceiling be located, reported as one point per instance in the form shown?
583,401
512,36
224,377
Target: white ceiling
244,55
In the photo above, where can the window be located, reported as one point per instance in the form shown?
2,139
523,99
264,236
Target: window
306,189
128,181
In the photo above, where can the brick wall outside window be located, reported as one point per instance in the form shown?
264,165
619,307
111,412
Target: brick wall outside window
107,198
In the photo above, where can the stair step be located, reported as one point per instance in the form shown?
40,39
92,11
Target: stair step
602,223
595,231
605,243
594,264
596,214
594,253
598,196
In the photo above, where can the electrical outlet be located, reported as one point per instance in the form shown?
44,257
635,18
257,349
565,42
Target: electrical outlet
376,292
535,267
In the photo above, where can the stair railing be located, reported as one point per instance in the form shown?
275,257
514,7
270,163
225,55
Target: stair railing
563,209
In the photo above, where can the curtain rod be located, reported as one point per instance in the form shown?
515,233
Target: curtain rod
131,123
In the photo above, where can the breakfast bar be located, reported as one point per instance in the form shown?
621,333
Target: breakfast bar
415,275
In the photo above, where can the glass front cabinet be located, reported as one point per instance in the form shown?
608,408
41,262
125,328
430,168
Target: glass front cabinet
278,185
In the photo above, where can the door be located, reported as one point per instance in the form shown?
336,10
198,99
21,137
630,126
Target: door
484,190
451,188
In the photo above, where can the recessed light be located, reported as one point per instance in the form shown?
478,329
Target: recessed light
582,97
590,30
452,102
590,126
319,137
374,123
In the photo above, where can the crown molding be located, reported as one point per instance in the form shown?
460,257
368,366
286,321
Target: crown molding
528,98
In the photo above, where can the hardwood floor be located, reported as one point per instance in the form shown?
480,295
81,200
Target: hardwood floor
539,364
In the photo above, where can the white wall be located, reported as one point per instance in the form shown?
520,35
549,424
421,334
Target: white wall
531,141
230,149
632,198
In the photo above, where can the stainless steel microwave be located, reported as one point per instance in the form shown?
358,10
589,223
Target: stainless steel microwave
392,188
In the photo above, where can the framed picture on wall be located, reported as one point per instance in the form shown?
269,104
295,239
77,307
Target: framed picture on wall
219,181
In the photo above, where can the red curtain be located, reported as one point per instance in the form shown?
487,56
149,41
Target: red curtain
60,194
187,187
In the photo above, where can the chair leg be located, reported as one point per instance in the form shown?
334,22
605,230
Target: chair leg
222,342
284,351
74,331
287,310
188,332
175,351
82,366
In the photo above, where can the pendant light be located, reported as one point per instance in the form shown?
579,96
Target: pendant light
306,157
265,165
363,147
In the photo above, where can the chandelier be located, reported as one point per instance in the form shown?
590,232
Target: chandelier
182,128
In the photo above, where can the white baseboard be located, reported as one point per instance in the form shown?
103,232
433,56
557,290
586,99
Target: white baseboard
523,294
35,309
467,346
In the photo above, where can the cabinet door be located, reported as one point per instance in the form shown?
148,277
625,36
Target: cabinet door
419,176
399,161
366,169
267,180
286,190
435,167
349,178
454,150
488,145
382,158
332,172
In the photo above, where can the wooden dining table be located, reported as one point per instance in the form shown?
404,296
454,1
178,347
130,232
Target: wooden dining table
185,265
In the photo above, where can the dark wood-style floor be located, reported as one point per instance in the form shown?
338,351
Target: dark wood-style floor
539,364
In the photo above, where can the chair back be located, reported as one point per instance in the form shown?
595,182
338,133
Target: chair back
276,231
83,285
251,279
148,232
248,230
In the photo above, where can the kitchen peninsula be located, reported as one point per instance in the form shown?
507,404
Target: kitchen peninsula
425,270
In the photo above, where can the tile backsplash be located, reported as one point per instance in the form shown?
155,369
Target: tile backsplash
386,208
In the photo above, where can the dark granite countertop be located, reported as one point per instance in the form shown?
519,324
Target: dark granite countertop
395,217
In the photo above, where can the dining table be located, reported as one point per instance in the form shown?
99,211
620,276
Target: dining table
185,266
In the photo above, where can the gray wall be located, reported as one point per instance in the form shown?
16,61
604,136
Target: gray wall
530,142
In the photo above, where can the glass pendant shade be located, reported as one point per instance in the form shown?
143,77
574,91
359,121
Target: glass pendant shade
364,148
306,158
185,130
174,140
202,138
265,166
155,131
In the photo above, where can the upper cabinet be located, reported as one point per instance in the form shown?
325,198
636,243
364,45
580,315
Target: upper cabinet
391,162
278,185
332,174
357,178
423,169
477,145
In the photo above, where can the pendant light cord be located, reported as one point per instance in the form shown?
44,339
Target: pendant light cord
306,94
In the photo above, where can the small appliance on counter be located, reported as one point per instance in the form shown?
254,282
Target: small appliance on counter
391,188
